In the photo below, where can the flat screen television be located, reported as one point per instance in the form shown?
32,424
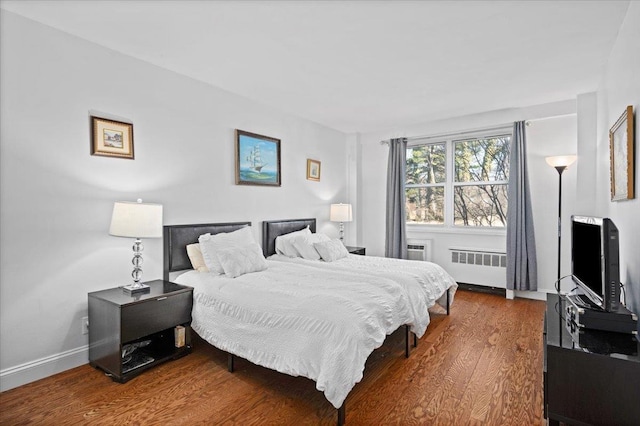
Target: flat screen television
595,265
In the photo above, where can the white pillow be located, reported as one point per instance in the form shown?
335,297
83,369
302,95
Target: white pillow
241,260
331,250
304,245
210,244
284,245
195,256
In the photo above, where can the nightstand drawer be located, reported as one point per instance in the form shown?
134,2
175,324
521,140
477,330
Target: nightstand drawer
154,315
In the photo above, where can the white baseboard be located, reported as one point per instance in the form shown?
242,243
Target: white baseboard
44,367
535,295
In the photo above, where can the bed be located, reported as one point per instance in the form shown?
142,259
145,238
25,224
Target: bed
434,284
299,320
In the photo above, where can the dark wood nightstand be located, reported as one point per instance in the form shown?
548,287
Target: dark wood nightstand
356,250
151,321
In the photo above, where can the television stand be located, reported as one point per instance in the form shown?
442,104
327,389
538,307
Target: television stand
588,381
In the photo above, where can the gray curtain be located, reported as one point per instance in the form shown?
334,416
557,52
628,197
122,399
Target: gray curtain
396,234
521,245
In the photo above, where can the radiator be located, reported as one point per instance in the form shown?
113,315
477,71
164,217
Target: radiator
419,250
479,257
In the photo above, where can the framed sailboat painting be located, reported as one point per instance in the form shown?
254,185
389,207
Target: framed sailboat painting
257,159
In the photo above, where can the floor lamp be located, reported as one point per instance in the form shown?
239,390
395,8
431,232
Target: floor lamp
560,163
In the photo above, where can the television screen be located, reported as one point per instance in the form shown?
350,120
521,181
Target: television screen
595,260
586,255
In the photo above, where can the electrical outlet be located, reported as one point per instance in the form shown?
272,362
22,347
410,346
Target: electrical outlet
85,325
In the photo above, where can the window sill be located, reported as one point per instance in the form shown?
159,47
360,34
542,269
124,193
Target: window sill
459,230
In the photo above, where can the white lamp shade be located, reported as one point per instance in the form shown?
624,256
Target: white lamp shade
341,213
136,220
561,160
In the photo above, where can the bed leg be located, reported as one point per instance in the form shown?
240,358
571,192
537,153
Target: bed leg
415,340
407,341
448,302
230,362
341,414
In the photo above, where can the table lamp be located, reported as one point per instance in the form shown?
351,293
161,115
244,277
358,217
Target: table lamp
136,220
341,213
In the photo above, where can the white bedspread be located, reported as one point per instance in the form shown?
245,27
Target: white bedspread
426,283
292,319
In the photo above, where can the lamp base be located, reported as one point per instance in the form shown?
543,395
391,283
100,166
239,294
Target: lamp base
136,289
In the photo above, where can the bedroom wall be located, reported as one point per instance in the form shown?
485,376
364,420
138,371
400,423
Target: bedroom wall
56,198
552,131
621,87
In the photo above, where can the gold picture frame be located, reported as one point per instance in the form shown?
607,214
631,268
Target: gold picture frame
313,170
622,156
110,138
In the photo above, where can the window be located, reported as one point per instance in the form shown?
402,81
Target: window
426,176
458,182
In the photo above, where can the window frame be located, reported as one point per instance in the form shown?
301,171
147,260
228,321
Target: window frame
449,141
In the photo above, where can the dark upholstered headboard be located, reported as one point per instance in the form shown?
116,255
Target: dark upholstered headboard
176,238
271,229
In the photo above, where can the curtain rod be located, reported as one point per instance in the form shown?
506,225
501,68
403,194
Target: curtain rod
466,132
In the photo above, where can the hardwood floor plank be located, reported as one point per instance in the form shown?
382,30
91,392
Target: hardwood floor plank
480,365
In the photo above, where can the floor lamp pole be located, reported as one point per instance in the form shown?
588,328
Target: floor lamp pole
560,163
560,169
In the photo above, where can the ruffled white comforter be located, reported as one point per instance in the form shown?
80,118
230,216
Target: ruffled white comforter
297,320
426,283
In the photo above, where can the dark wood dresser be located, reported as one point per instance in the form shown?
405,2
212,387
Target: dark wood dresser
591,377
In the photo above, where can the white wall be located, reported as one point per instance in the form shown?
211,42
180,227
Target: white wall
546,136
619,88
56,198
550,137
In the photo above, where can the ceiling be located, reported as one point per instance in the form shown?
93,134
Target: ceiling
360,66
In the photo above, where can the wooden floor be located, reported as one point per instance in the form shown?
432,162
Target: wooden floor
480,365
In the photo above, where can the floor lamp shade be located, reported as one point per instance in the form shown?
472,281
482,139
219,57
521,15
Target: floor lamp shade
136,220
561,160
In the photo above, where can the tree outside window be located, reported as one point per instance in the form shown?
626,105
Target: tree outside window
426,175
474,185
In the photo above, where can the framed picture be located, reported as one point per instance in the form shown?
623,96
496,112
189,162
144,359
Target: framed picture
257,159
111,138
622,157
313,170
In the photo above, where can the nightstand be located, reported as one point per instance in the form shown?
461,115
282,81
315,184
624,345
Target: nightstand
157,324
356,250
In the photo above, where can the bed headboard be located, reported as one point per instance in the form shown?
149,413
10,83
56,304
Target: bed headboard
176,238
271,229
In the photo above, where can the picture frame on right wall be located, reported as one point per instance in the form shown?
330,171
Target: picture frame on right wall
622,155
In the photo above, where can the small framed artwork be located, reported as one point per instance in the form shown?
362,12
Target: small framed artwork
313,170
257,159
622,155
111,138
